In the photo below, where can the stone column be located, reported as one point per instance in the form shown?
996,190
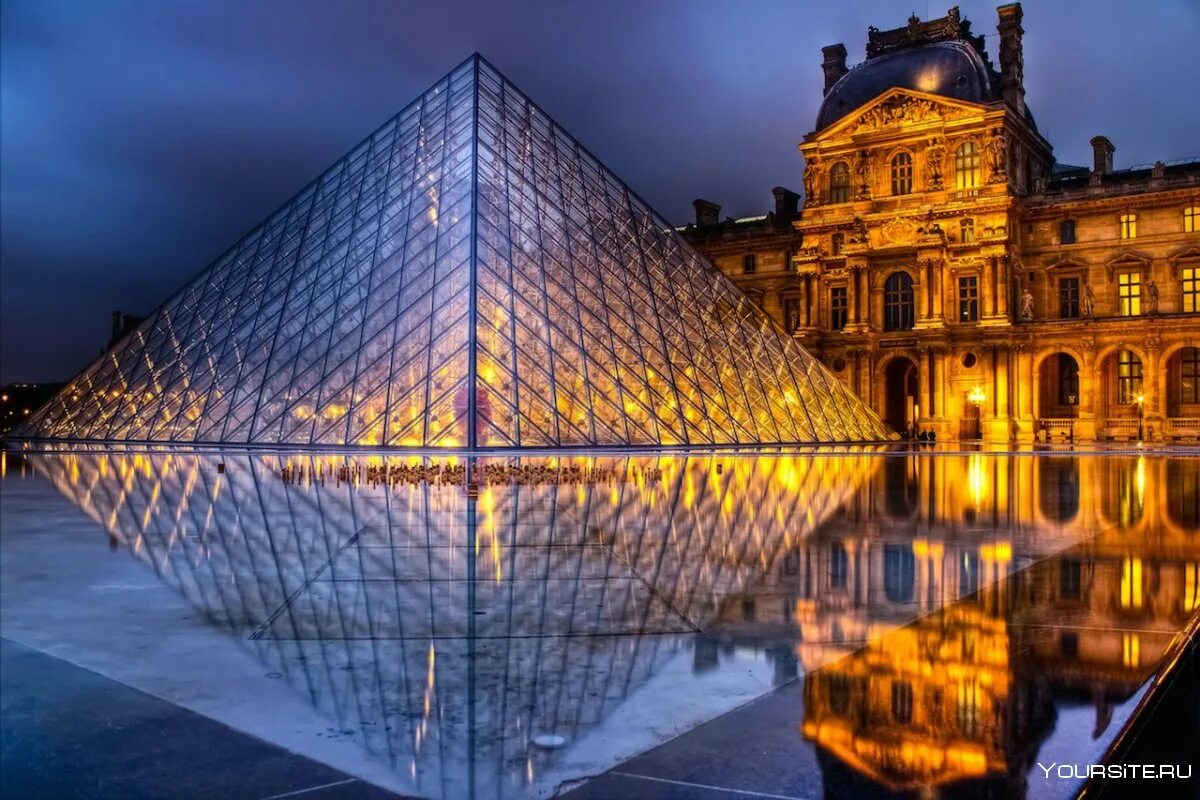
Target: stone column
985,291
923,385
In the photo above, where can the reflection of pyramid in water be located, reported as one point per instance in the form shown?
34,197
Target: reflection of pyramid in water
469,242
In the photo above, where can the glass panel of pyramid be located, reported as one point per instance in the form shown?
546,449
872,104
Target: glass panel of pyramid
468,276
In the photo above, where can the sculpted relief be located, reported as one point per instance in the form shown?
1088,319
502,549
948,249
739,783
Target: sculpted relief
902,110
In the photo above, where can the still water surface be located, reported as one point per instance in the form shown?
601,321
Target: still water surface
502,628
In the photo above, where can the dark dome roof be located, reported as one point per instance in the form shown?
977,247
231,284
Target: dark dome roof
950,68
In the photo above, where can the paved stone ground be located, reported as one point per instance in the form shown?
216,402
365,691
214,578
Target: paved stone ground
67,733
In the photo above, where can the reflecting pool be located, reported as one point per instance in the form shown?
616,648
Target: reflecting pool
504,628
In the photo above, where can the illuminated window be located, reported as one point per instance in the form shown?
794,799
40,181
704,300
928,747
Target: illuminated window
836,243
966,166
837,565
902,174
968,708
1191,587
1129,294
966,231
1129,226
1191,218
1131,583
1131,647
749,264
1066,231
839,307
839,183
898,302
1189,375
968,299
1129,376
1068,298
1190,282
902,702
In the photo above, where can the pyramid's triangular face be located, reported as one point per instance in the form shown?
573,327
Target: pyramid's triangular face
469,276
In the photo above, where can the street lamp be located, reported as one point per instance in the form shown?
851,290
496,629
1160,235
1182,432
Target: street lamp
1141,404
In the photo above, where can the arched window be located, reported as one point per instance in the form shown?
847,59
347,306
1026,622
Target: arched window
839,183
902,174
898,302
966,166
1129,376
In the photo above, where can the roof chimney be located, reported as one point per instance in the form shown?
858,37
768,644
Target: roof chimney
1102,155
834,64
1012,60
707,213
786,202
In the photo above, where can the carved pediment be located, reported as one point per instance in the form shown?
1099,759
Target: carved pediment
904,109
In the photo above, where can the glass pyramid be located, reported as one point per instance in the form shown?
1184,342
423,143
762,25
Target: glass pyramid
469,276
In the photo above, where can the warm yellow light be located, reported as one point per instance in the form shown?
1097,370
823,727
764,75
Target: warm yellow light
977,395
1141,398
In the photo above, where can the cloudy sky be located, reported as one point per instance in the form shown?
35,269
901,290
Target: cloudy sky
140,139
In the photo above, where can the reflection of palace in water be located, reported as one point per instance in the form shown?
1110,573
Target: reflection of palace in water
943,609
967,694
449,630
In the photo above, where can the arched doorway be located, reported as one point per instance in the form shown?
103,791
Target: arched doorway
1058,395
900,393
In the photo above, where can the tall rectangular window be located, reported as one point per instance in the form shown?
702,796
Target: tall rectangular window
1191,587
1066,231
968,299
1129,226
1129,376
1131,649
966,166
839,183
836,243
1068,298
1191,219
1129,294
839,308
1189,375
902,702
1190,283
749,264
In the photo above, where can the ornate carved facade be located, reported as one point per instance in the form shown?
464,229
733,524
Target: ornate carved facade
958,278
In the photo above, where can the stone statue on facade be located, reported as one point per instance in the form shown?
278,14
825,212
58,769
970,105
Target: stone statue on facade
811,192
1088,305
935,157
1027,305
996,149
858,231
1152,297
862,168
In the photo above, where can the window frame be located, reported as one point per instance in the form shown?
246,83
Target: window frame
1064,226
750,264
899,302
1189,288
839,189
1127,225
1129,376
968,299
837,243
1191,219
1129,293
1189,370
839,312
966,224
967,166
1070,301
902,173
